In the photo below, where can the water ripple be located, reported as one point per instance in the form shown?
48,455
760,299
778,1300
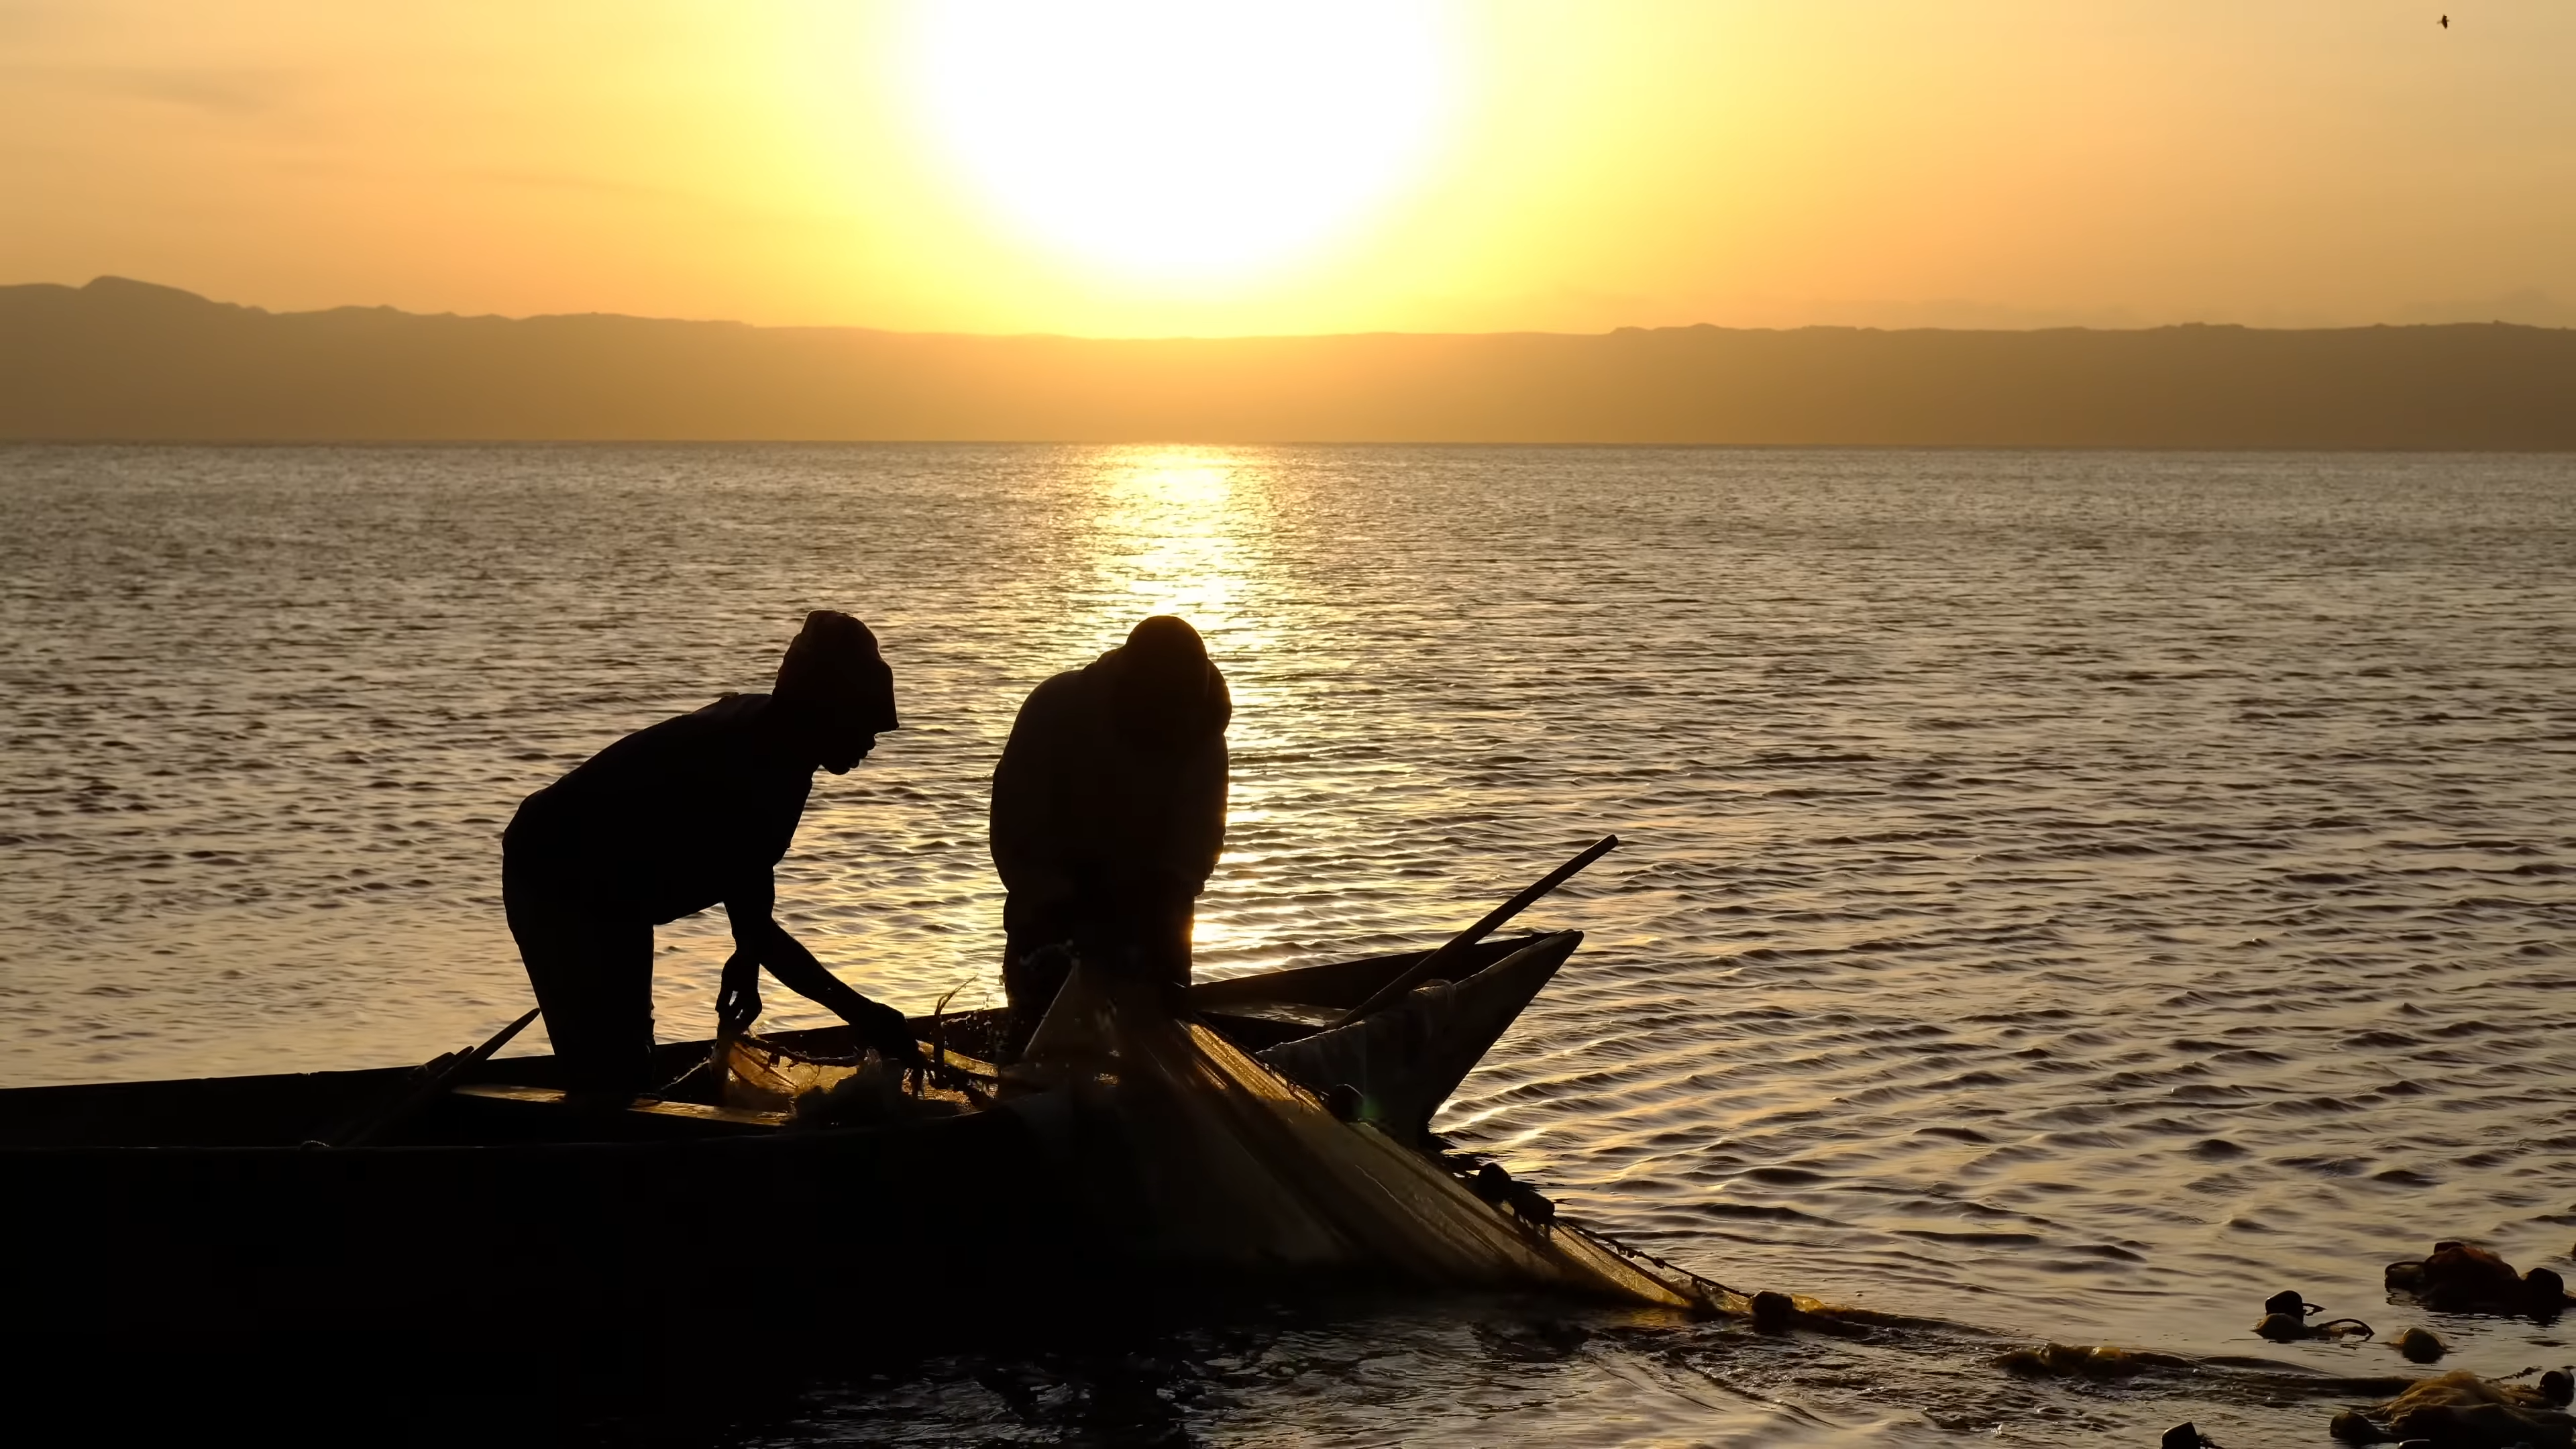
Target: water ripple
2076,895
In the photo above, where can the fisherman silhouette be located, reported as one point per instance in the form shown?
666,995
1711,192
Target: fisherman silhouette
1108,817
671,820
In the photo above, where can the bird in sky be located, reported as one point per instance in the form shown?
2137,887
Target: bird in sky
2446,22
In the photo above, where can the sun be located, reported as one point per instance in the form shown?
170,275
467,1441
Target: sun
1183,142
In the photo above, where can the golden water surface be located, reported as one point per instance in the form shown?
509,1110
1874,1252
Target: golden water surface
2065,895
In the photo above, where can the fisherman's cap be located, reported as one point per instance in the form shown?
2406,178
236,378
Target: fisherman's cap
833,661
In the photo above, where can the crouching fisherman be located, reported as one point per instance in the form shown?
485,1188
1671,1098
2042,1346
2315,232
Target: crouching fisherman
1108,817
671,820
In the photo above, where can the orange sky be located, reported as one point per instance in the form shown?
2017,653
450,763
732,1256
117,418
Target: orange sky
1473,167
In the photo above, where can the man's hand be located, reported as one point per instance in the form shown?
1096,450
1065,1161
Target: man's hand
884,1028
760,942
738,998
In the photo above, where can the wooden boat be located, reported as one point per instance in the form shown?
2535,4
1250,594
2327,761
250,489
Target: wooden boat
182,1205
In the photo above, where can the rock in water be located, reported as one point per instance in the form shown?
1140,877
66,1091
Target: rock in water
2419,1345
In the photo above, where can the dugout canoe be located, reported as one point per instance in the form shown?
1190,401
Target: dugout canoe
212,1204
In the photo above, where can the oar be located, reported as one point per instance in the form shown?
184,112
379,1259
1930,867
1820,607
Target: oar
440,1072
1456,946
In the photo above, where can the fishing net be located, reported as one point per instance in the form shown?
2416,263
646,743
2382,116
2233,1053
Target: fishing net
812,1090
763,1076
1185,1147
1199,1151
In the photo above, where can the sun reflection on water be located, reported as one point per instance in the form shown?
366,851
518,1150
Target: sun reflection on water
1182,531
1167,531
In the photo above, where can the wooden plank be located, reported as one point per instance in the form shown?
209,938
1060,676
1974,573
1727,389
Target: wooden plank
645,1106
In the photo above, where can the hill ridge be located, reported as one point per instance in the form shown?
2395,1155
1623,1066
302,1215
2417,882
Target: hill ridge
122,359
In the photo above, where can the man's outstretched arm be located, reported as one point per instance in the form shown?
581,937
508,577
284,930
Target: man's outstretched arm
758,936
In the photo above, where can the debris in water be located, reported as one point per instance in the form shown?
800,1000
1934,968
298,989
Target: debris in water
1773,1312
2419,1345
2284,1328
2459,1410
2464,1278
2070,1360
2294,1304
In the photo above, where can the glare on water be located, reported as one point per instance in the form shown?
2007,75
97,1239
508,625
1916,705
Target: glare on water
2065,895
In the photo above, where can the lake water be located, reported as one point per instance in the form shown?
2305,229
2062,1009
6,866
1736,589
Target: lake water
2065,896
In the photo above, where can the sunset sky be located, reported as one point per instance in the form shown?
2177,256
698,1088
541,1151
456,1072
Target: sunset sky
1172,168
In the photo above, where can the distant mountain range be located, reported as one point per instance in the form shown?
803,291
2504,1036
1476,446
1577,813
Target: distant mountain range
127,360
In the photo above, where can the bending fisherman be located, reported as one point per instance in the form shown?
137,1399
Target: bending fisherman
1108,816
671,820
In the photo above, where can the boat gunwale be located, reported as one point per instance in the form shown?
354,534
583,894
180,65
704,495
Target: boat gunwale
363,1083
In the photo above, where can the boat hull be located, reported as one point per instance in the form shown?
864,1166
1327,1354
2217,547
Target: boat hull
185,1207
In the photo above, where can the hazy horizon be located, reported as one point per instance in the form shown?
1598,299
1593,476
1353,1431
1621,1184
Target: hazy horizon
2526,307
126,360
2532,302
